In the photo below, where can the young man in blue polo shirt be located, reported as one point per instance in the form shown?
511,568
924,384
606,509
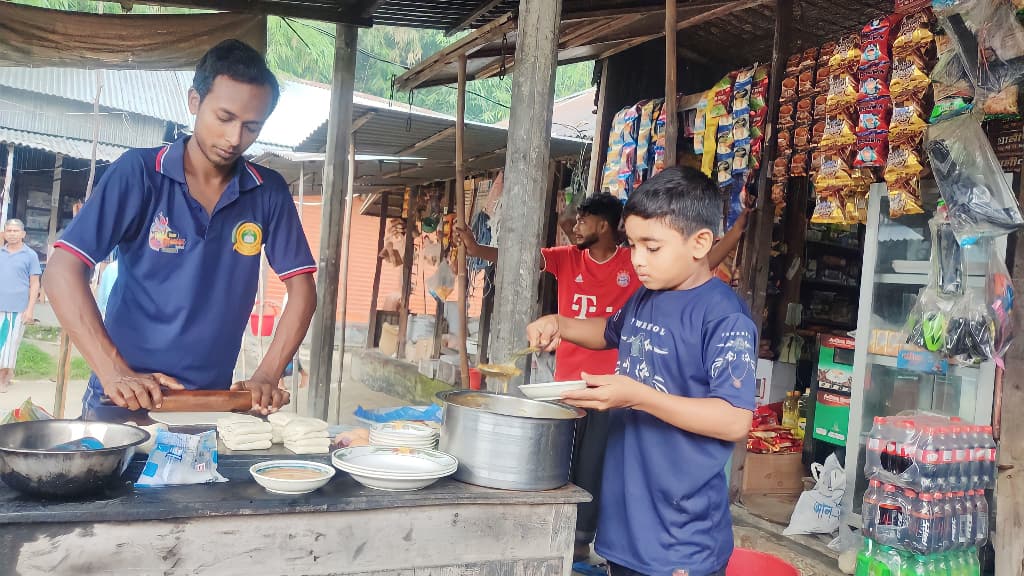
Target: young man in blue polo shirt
683,391
19,288
189,221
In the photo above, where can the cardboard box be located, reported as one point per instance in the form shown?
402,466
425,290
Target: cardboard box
773,474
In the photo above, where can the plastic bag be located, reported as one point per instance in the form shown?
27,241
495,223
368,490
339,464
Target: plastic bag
27,412
182,459
819,509
441,283
989,40
970,331
926,324
947,255
430,414
999,298
978,200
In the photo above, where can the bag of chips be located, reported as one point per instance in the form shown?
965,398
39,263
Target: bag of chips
846,55
999,298
915,34
828,210
842,93
783,142
817,132
780,167
821,78
904,198
839,133
903,164
787,115
874,115
722,97
909,80
833,174
805,111
873,84
907,125
799,164
1004,105
759,90
872,150
790,89
875,42
801,138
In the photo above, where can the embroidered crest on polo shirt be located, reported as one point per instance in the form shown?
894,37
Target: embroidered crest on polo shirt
162,238
247,238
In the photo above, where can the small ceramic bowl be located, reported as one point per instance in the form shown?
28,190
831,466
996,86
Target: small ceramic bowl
291,476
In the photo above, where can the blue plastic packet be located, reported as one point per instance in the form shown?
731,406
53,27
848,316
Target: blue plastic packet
181,459
87,443
430,414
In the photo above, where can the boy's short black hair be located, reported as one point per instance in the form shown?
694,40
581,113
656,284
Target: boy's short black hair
238,61
603,205
685,198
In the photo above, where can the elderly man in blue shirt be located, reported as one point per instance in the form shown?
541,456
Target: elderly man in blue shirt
189,221
19,269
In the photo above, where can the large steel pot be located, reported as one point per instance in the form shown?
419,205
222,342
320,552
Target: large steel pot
507,442
28,462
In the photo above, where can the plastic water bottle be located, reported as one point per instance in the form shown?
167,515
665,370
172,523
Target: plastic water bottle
946,443
922,525
876,443
981,515
990,467
928,457
869,509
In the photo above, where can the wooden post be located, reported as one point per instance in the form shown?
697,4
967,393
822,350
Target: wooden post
55,199
339,134
757,249
371,328
460,220
599,146
63,374
671,88
296,383
407,259
346,247
439,309
526,177
5,192
1009,493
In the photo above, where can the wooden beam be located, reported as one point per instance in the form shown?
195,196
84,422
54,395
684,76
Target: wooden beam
304,10
432,139
604,27
599,146
58,165
460,220
336,175
671,86
407,259
359,122
581,9
433,64
484,7
757,245
526,178
371,330
5,190
1009,406
697,20
346,250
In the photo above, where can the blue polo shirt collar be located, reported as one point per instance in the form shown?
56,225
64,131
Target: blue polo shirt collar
170,161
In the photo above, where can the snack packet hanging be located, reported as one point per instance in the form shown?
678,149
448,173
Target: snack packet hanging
847,54
989,40
875,42
872,150
828,210
915,34
842,93
722,97
978,199
903,164
805,111
834,174
839,133
947,255
904,199
909,79
1004,105
999,298
907,125
927,322
874,115
799,164
790,89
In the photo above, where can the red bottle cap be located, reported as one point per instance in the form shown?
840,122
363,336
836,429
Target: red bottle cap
890,488
926,497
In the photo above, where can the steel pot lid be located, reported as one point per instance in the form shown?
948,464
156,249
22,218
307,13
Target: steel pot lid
510,405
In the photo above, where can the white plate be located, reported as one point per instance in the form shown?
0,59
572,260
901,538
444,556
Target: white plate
287,485
403,429
393,461
395,484
189,418
551,390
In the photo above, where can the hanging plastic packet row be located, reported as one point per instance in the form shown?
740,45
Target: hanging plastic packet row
978,199
988,38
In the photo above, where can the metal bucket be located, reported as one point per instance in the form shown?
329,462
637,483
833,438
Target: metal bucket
507,442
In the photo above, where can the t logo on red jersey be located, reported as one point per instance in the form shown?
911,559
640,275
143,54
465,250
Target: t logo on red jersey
583,305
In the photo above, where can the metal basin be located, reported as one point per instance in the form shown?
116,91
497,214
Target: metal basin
29,464
508,442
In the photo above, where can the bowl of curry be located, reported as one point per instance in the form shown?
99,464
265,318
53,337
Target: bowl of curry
291,476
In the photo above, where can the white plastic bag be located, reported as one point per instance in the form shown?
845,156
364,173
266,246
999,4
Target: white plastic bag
182,459
818,510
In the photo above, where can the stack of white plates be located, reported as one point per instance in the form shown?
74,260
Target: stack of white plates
394,469
403,435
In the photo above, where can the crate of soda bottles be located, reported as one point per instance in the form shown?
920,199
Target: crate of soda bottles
877,560
931,453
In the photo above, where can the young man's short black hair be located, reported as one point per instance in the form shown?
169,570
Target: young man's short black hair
603,205
685,198
238,61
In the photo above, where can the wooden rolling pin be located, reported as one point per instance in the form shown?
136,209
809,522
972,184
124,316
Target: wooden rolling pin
200,401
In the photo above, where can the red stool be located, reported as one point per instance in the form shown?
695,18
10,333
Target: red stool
750,563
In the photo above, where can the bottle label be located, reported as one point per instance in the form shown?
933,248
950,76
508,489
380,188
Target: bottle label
980,455
982,525
992,455
874,444
928,456
947,456
966,521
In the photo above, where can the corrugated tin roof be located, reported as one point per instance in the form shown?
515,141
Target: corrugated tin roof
157,94
66,146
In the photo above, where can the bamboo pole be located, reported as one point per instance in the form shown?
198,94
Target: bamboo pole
460,220
671,87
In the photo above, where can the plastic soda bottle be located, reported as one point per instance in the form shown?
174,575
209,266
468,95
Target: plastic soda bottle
865,558
928,457
876,443
869,510
981,515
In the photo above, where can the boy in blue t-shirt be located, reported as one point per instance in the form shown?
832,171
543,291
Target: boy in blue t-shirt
683,392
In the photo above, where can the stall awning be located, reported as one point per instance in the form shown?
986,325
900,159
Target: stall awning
69,147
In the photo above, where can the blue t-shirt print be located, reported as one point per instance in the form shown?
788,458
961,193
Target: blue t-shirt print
664,502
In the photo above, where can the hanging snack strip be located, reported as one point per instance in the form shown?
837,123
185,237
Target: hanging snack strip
909,89
835,177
